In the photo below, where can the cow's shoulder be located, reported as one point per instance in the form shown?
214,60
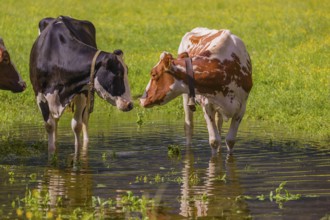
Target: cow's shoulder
43,23
83,30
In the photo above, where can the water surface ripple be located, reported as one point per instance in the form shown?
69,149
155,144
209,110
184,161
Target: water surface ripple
122,156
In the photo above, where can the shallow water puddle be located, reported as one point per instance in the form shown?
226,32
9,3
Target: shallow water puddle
124,157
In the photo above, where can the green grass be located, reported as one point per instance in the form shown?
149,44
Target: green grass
37,205
288,42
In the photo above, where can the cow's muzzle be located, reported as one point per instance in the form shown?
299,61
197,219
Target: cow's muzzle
143,102
20,88
124,105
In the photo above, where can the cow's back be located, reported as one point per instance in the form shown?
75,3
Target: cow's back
219,45
82,30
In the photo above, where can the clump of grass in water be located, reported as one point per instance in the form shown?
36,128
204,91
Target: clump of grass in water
280,197
139,121
11,177
202,198
35,205
12,148
222,178
174,151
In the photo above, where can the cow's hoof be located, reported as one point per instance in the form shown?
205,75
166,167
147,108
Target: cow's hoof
230,146
215,151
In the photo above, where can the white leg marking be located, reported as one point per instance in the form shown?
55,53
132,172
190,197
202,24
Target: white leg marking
188,119
51,128
79,119
214,136
218,121
234,124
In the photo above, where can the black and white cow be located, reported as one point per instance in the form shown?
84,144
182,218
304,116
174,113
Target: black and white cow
66,66
10,79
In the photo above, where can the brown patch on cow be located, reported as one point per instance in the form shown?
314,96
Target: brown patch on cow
206,53
159,85
200,42
212,75
183,55
195,39
1,57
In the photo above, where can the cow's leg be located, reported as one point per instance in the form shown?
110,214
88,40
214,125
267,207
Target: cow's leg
50,123
234,124
214,136
77,120
188,119
51,128
218,121
85,125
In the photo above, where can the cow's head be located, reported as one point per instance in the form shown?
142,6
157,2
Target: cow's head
9,77
111,81
166,81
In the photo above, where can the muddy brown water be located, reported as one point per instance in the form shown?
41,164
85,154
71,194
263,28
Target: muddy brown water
125,157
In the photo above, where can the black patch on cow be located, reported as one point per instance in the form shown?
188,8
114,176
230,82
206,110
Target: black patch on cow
77,27
111,75
62,39
44,110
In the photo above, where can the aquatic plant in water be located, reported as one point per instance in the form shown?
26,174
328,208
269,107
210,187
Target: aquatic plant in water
280,196
174,151
139,121
36,205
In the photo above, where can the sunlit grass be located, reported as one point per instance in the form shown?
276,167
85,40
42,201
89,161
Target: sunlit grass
37,204
288,42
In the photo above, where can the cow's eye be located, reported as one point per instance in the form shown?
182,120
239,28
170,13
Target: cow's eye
153,75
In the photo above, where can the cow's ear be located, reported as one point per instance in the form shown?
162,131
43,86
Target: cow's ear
119,52
167,59
183,55
4,57
110,61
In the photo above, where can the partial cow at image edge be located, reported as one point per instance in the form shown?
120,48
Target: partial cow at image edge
10,79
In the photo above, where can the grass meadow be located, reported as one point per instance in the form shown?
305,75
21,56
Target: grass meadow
288,41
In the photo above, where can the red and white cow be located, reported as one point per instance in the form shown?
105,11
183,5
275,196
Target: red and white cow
222,80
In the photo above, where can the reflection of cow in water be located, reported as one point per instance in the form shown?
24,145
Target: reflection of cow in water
73,187
212,192
220,193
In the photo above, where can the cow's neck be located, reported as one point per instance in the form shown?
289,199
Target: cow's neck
179,71
90,95
208,76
